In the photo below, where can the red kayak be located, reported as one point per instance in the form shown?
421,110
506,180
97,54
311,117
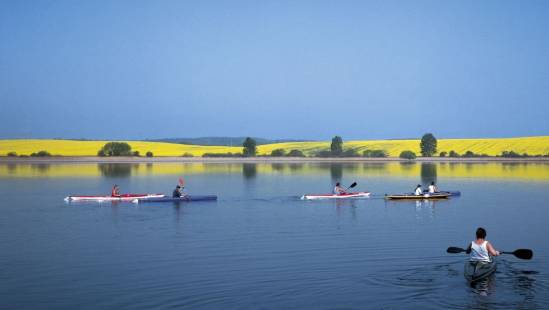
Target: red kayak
123,197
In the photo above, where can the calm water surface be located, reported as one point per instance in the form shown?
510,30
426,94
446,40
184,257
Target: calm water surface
260,246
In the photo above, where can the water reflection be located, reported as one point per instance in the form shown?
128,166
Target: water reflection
428,173
294,167
336,172
12,168
485,286
41,168
374,167
249,171
277,167
407,166
116,170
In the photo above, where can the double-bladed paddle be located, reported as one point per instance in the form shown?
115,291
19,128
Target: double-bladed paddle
520,253
351,186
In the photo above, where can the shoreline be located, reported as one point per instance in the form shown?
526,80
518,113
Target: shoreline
259,160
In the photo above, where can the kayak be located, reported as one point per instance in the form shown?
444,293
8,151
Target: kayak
334,196
124,197
475,271
452,193
177,199
418,197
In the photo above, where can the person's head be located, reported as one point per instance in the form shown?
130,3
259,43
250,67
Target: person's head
418,186
481,233
433,183
337,184
115,186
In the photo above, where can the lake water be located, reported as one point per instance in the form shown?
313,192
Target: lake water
261,247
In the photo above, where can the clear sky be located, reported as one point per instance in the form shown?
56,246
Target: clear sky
276,69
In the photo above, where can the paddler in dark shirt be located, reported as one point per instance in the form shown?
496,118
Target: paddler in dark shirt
178,192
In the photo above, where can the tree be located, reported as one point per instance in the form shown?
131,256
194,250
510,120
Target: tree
443,154
295,153
278,153
374,153
453,154
336,147
249,147
428,145
149,154
115,149
407,155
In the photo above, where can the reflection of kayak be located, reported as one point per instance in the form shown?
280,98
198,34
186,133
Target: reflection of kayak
177,199
124,197
418,197
333,196
475,271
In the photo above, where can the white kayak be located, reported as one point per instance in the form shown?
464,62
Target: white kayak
124,197
334,196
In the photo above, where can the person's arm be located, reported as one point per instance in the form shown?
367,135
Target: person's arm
491,249
468,251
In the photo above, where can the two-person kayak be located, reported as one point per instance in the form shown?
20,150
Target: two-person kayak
185,198
334,196
123,197
411,196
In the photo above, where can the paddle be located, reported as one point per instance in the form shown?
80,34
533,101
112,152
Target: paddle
520,253
351,186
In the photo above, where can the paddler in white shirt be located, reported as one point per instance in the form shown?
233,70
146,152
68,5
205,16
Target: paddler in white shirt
338,190
418,191
433,188
480,249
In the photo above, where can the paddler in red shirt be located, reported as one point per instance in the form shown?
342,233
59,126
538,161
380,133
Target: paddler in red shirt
115,191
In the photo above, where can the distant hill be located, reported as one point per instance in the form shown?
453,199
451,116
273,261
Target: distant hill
223,141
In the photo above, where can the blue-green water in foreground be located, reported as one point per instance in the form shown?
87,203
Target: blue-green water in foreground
261,247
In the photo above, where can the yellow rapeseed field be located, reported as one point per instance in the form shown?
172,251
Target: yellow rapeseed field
90,148
492,147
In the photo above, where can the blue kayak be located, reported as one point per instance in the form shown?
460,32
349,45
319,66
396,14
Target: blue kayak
178,199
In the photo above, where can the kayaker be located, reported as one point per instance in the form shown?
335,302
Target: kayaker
338,190
115,191
480,249
418,191
433,188
178,192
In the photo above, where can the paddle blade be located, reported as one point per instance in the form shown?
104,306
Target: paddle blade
523,253
352,185
454,250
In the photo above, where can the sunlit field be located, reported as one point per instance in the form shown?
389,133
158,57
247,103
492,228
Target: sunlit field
90,148
491,147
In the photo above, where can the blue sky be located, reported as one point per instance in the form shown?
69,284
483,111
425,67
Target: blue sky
278,69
